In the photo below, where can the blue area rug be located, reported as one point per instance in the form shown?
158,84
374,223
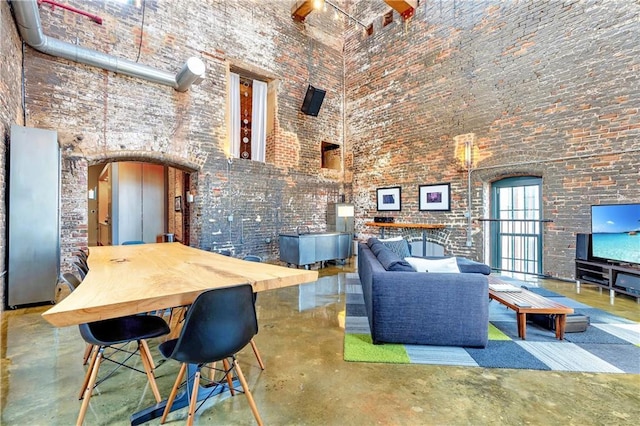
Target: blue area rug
610,344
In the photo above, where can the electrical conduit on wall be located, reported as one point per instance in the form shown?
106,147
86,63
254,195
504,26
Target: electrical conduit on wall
28,22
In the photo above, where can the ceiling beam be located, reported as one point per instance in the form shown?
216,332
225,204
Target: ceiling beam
301,9
405,8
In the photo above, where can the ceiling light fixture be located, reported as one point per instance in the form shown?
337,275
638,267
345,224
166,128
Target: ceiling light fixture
338,9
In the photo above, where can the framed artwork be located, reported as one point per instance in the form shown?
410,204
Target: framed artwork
388,199
177,203
435,197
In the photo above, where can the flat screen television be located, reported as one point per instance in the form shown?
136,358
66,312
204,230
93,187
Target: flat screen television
615,232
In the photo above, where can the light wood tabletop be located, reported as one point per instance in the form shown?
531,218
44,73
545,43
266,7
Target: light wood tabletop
125,280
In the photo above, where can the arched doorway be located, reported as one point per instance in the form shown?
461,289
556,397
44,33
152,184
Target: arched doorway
137,201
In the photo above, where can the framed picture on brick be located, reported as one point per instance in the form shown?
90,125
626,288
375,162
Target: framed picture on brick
435,197
388,199
177,203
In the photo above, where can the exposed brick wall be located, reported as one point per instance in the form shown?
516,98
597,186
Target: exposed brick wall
74,222
102,116
549,89
10,113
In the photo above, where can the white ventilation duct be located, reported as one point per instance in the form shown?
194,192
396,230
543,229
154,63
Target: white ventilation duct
28,22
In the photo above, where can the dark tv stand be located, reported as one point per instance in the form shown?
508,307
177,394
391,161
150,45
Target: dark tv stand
609,276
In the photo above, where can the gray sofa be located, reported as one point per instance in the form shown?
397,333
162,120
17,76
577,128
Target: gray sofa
404,306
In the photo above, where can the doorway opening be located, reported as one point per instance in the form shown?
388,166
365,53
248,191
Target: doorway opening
516,226
137,201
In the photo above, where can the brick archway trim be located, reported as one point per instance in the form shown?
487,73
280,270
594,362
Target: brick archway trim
149,157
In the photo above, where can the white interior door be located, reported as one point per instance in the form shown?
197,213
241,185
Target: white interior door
138,193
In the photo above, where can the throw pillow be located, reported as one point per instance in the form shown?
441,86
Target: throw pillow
471,266
392,262
399,247
446,265
371,241
376,248
382,240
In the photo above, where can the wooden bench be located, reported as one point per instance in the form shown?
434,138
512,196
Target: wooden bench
525,302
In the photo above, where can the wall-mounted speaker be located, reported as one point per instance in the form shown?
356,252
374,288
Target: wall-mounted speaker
583,246
313,101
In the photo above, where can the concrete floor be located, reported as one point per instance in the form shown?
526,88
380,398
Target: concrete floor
306,381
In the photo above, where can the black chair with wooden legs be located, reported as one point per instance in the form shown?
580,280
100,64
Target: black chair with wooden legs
70,280
115,333
254,258
73,282
83,269
82,255
218,324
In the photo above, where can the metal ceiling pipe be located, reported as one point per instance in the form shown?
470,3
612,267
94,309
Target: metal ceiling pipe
27,18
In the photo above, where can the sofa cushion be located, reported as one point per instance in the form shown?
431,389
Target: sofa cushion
446,265
470,266
371,241
377,248
399,246
392,262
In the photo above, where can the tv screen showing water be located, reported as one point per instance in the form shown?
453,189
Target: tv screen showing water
615,230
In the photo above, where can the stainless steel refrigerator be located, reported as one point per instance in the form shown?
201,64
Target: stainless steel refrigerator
34,226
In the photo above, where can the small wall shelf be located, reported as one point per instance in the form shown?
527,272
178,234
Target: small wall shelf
405,225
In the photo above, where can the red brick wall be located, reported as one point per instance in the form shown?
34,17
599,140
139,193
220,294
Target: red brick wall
100,115
10,113
549,89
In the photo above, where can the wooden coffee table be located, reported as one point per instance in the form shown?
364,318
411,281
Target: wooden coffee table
526,302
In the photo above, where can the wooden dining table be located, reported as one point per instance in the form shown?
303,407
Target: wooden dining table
132,279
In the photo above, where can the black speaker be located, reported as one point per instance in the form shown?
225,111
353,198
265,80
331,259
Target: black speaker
630,282
313,101
383,219
583,246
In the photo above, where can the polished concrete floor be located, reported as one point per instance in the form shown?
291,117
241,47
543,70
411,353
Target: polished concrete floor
306,381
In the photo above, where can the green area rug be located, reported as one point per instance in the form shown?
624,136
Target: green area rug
611,344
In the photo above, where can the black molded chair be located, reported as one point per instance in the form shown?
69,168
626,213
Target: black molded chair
83,255
118,331
73,282
83,269
70,280
83,261
218,324
254,258
133,242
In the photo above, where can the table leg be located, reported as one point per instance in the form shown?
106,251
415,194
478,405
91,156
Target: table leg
561,322
181,401
522,325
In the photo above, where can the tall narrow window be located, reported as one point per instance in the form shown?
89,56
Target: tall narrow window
516,237
248,108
